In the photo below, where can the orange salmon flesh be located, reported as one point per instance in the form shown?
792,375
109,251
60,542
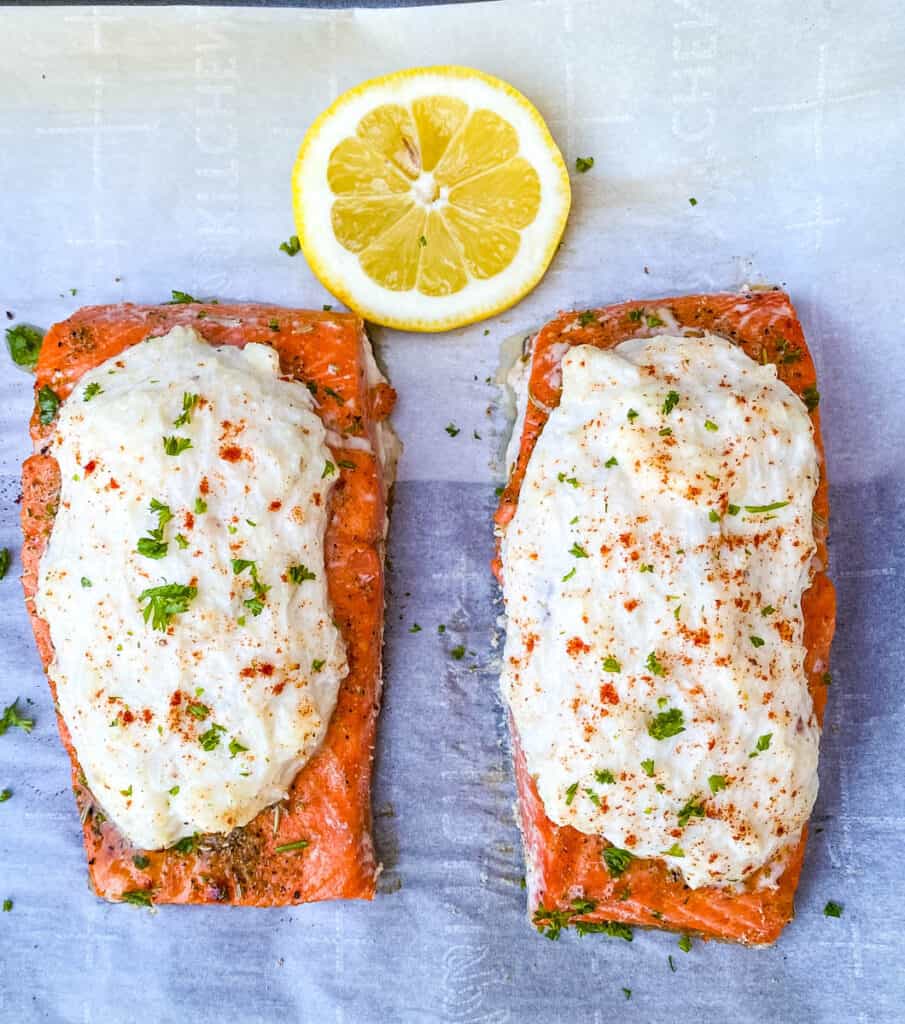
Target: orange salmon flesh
328,805
565,868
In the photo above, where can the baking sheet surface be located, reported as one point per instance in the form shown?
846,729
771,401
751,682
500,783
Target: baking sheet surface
143,150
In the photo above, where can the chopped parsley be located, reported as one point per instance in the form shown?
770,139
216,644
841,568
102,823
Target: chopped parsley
451,429
583,164
317,664
604,776
610,664
592,796
613,928
710,425
174,791
692,201
692,809
632,415
48,404
570,793
299,844
635,315
200,711
654,665
458,652
126,792
4,562
414,628
627,992
763,743
674,851
300,573
335,394
616,860
189,401
665,432
766,508
292,247
666,724
235,747
756,641
92,391
716,783
154,546
345,464
24,344
180,298
569,574
832,909
210,740
5,795
571,480
422,241
767,610
173,445
577,551
585,318
714,516
141,861
645,568
733,510
200,506
182,541
670,402
611,461
7,906
652,320
137,897
166,601
648,767
185,845
811,398
12,719
329,469
685,943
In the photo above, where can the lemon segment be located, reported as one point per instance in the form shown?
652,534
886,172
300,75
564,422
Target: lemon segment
430,198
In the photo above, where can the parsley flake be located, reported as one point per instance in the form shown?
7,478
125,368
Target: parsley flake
48,404
451,429
12,719
292,247
300,573
570,793
611,461
585,318
210,740
189,401
569,574
166,601
583,164
763,743
654,665
832,909
716,783
811,398
756,641
666,724
577,551
632,415
692,809
670,402
648,767
604,776
92,391
24,344
616,860
610,664
173,445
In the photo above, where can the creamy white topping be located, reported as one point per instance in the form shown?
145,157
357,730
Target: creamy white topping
196,726
653,575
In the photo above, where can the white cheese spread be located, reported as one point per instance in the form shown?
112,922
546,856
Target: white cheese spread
197,470
653,575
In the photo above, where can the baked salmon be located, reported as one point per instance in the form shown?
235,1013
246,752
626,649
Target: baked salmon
568,879
316,844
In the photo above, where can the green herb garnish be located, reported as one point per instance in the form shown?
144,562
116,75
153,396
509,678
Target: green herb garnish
671,401
648,767
692,809
763,743
299,844
12,719
832,909
292,247
451,429
92,391
654,665
577,551
48,405
616,860
173,445
24,344
716,783
666,724
189,401
610,664
583,164
166,601
211,739
300,573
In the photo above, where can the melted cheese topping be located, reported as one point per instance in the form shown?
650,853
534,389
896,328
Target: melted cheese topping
196,727
653,571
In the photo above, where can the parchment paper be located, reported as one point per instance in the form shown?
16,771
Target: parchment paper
143,150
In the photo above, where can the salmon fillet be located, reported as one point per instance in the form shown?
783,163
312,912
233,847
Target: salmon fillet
328,805
567,878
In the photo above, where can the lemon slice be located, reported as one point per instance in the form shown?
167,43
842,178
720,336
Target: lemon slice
430,198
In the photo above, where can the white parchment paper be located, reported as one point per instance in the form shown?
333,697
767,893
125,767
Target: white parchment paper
143,150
